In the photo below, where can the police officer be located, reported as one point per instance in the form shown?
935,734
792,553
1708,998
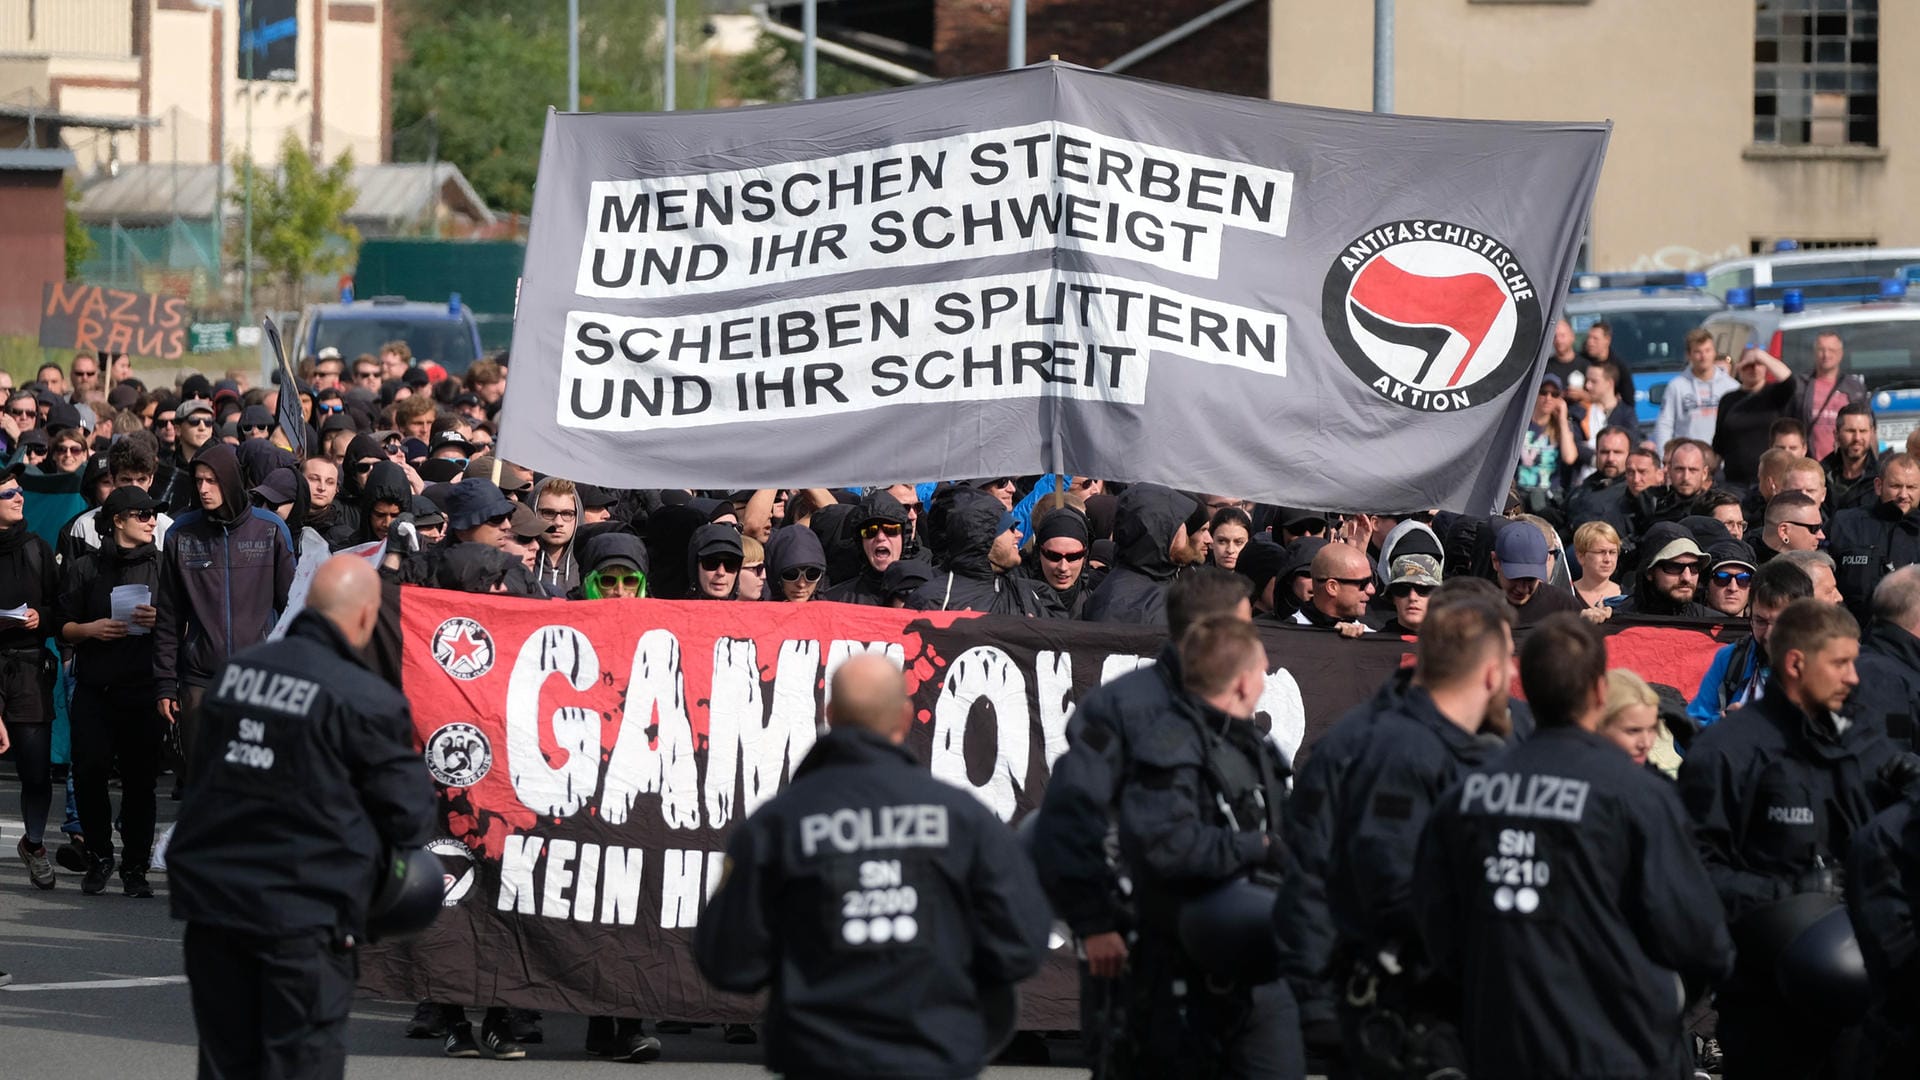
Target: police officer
1070,839
882,906
1559,882
1883,871
306,774
1776,792
1395,1019
1201,808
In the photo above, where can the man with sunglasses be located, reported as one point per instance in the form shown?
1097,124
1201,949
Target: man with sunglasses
1062,539
1868,542
1792,523
1523,563
880,523
1729,577
714,557
1414,579
1668,583
1343,583
328,369
366,372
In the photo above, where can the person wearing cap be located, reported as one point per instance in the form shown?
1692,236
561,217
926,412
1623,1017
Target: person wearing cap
596,503
1729,580
256,423
1550,450
522,541
1058,561
880,524
1291,523
1150,537
451,445
1260,562
284,492
1522,564
1413,580
1668,583
982,547
115,727
1867,542
714,557
557,502
902,579
478,512
193,425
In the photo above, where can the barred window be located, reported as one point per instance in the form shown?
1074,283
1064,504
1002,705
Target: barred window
1816,72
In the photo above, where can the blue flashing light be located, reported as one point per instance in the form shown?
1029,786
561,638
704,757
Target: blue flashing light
453,304
346,292
1786,245
1893,289
1740,297
1792,302
1695,279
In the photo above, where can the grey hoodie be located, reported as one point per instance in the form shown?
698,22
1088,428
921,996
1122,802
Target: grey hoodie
562,571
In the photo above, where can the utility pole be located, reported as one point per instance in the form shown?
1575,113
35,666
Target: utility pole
573,55
672,61
1383,56
246,80
810,40
1017,34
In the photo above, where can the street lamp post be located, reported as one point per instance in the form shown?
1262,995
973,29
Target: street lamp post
246,214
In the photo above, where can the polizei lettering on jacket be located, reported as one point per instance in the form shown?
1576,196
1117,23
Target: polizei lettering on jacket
1549,798
853,829
267,690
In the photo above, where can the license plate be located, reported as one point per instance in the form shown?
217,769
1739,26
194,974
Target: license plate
1894,431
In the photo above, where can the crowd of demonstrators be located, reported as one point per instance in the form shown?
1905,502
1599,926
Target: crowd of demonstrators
193,494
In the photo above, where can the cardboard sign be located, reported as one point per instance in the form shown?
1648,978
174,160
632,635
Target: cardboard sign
95,319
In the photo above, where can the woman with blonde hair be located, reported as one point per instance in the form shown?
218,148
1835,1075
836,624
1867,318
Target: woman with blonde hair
1597,546
1633,715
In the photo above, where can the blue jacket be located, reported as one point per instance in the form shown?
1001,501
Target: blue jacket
1724,680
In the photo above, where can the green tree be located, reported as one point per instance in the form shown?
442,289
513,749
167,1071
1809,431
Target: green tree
299,215
79,240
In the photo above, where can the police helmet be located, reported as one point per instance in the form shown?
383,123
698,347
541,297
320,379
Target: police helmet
407,897
1822,969
1228,932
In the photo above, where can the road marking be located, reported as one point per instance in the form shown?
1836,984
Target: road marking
99,984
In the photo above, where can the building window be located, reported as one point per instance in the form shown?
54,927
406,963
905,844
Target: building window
1816,72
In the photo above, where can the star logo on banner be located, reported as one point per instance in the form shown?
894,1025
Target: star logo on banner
463,648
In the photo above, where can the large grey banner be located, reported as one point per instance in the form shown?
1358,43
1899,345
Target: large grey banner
1049,269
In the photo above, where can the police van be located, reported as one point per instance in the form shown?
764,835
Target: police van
444,334
1881,338
1650,315
1820,276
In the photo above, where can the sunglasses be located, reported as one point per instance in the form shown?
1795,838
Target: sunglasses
880,528
332,407
1408,588
70,450
795,573
366,374
730,563
631,581
1816,528
261,428
163,421
141,515
1678,569
364,466
500,522
1356,582
198,421
85,374
1729,577
12,493
480,447
1063,556
753,568
24,414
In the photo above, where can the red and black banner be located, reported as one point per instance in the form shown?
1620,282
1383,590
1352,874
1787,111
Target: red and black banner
591,757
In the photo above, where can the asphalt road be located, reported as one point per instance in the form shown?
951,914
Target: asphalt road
98,992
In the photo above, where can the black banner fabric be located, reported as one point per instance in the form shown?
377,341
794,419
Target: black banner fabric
591,758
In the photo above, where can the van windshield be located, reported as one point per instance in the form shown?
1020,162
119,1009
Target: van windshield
1650,340
1881,352
447,342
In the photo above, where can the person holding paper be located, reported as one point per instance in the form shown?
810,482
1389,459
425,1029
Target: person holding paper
107,614
29,583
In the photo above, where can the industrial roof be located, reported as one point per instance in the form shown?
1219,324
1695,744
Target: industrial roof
391,196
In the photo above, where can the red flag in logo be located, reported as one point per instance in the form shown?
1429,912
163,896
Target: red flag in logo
1465,304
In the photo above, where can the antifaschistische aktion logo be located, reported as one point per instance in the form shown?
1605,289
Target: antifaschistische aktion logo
1432,315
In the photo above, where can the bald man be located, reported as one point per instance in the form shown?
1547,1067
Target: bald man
1343,583
305,777
884,908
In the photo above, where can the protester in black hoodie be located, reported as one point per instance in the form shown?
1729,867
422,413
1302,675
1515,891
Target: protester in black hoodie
384,496
982,544
713,562
1057,562
1672,569
795,564
224,576
27,579
1151,526
879,525
114,723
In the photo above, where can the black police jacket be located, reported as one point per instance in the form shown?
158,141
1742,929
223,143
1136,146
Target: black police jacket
1775,793
879,904
305,772
1069,839
1201,804
1883,888
1412,754
1558,886
1888,696
1868,543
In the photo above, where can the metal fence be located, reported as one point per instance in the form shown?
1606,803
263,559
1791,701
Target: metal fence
178,259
